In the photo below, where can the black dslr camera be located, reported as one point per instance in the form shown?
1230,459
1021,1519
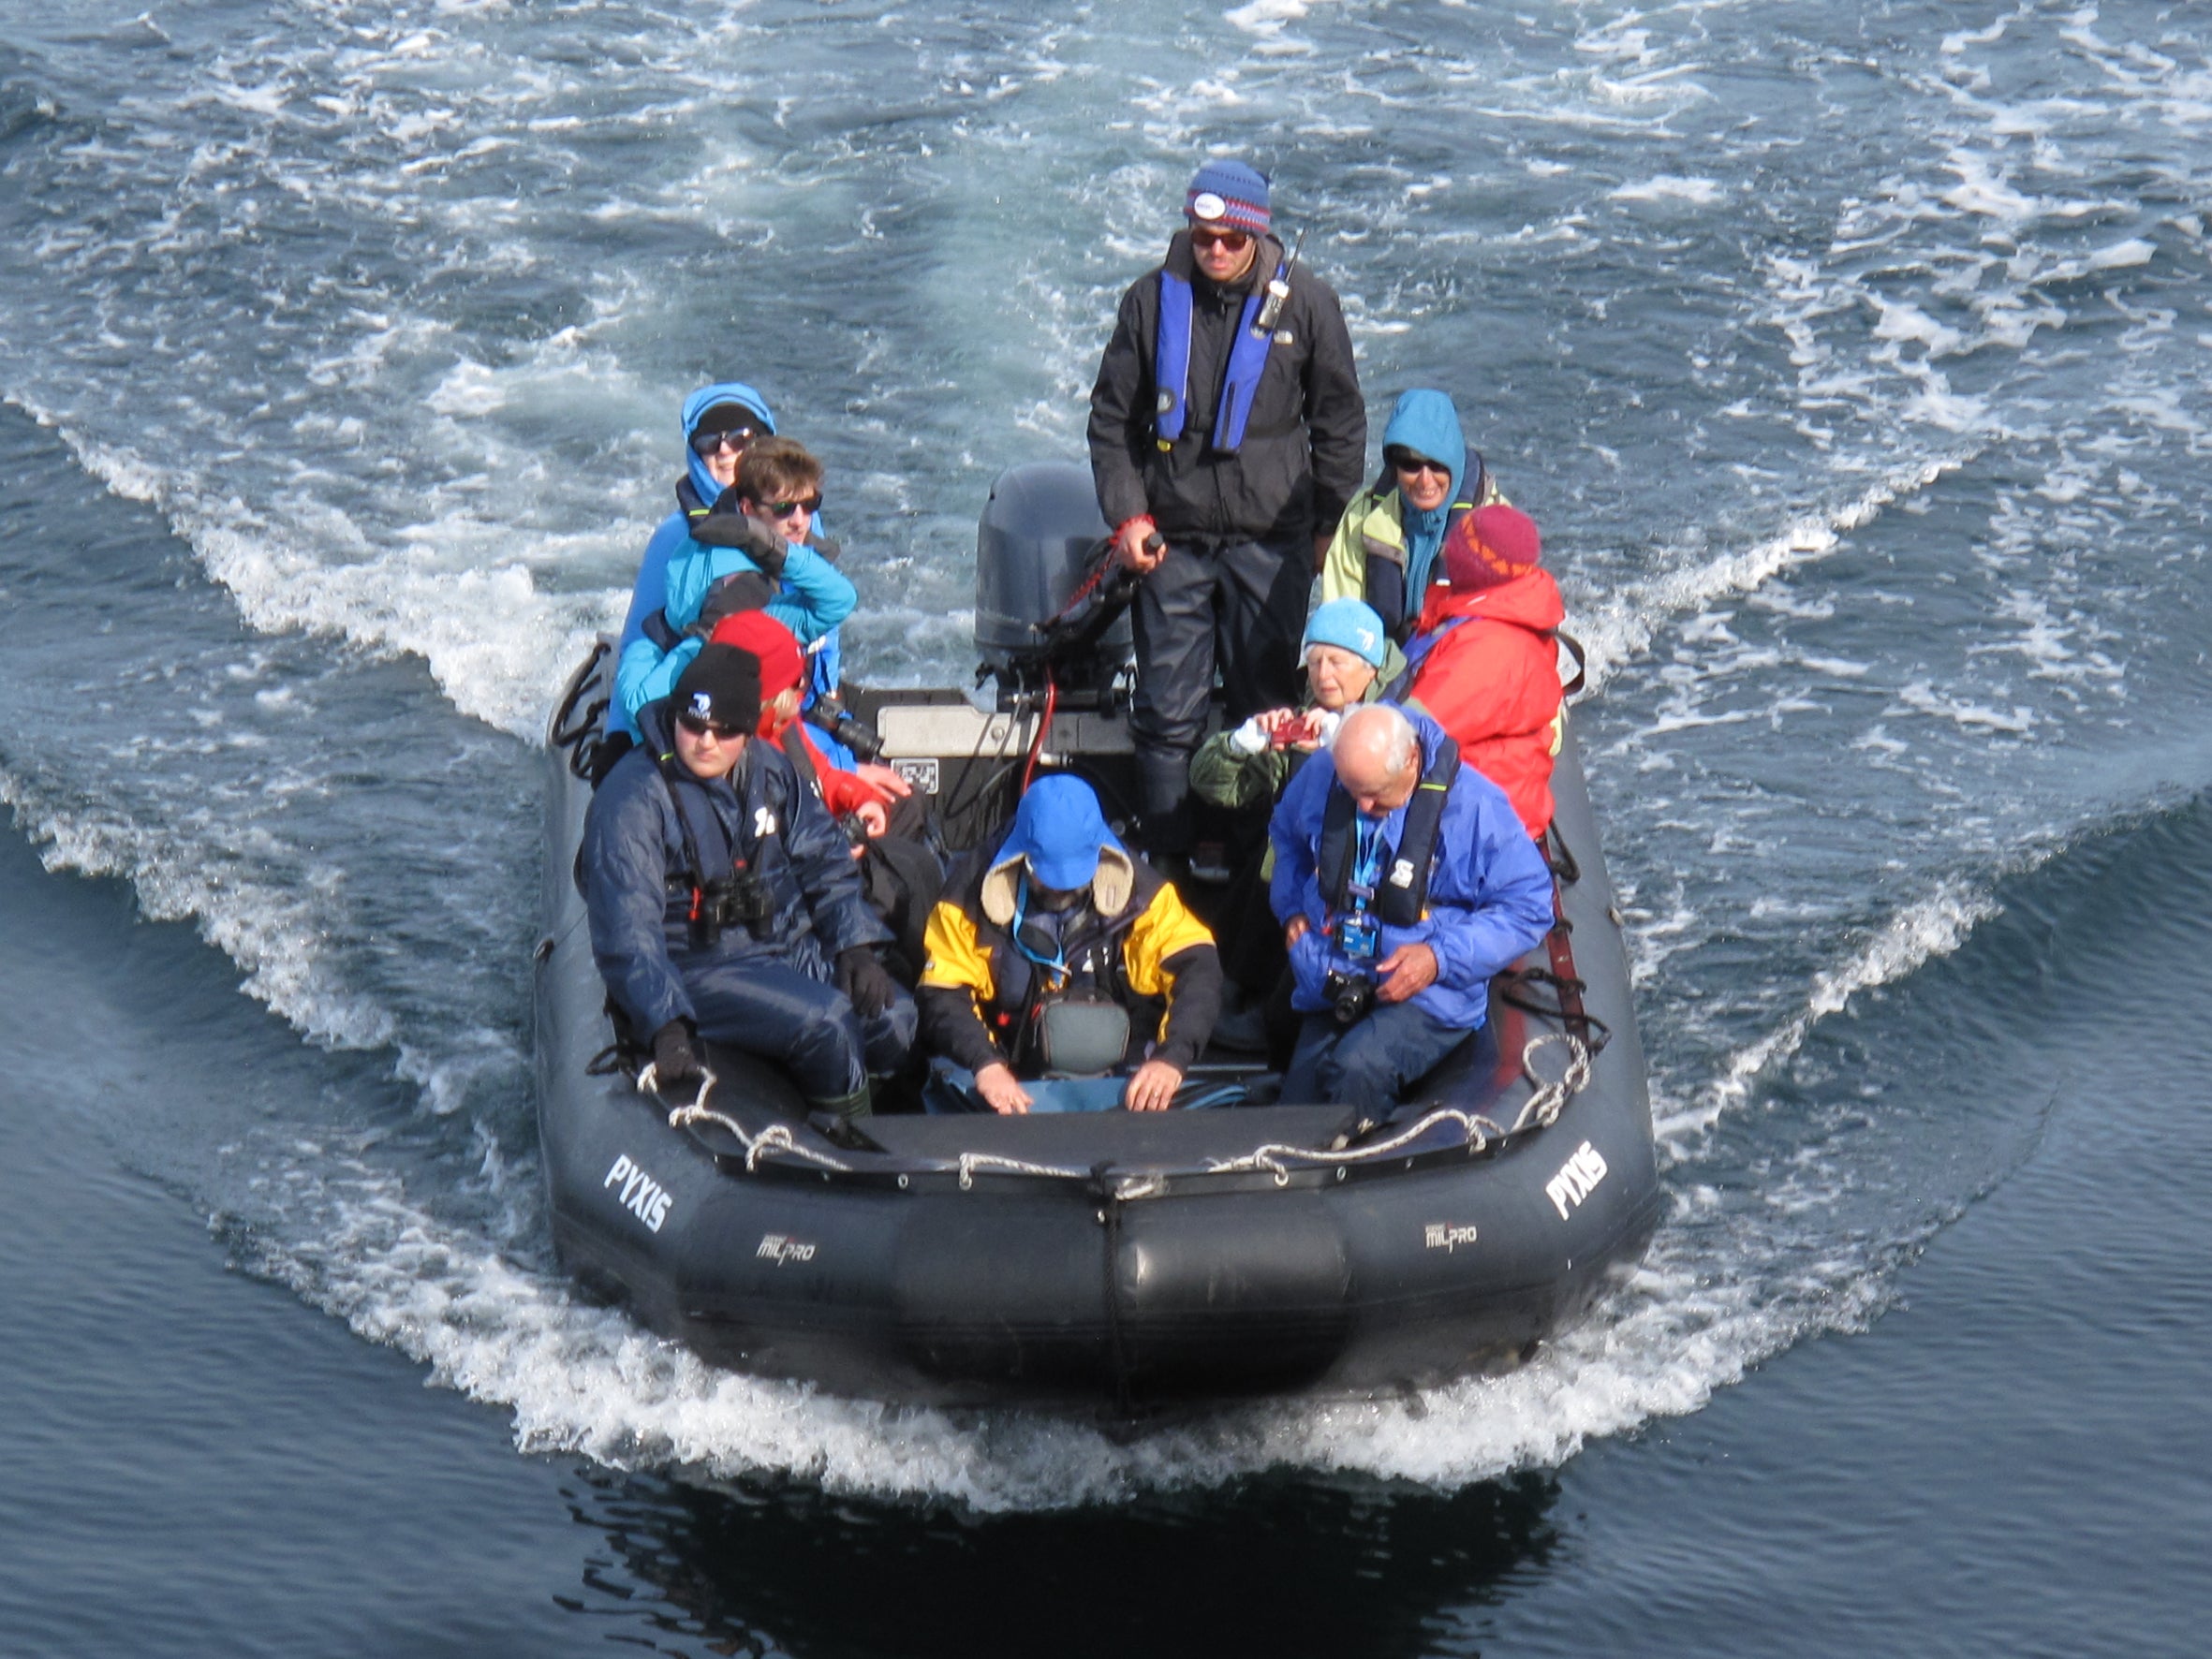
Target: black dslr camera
1350,996
828,714
738,899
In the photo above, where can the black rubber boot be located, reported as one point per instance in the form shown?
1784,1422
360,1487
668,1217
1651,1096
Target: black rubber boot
851,1108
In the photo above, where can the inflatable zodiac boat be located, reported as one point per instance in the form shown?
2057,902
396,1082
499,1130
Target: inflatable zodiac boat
1101,1261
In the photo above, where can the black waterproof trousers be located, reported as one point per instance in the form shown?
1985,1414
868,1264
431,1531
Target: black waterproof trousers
1370,1064
774,1010
1237,609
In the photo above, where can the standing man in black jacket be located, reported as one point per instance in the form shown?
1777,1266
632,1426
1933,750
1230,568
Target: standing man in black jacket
1225,423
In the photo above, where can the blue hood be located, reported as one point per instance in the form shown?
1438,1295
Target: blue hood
698,404
1426,423
1059,829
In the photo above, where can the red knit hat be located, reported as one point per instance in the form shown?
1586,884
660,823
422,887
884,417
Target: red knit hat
1489,546
782,664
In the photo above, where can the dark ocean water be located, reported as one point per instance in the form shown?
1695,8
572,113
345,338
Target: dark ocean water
1853,362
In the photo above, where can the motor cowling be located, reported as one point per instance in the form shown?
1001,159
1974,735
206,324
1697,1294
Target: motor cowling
1040,537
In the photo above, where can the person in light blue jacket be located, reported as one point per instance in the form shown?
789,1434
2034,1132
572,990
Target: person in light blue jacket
719,421
1404,882
756,550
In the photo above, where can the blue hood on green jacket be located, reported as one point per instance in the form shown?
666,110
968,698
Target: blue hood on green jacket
1426,423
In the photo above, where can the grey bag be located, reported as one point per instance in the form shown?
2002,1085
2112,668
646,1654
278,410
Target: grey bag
1082,1036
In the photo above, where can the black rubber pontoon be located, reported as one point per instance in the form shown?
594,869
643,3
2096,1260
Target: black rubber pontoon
1107,1261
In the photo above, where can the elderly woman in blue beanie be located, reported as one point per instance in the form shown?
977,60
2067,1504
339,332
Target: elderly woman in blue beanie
1386,545
1349,657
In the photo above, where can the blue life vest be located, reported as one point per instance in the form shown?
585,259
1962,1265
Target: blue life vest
1400,897
1171,366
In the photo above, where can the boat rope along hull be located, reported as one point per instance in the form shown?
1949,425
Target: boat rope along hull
1110,1262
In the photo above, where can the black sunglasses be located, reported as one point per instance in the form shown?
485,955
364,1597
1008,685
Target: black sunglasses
784,510
1233,241
1404,461
699,727
735,438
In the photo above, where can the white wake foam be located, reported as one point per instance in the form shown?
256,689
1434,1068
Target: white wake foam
268,930
1931,926
585,1380
1621,627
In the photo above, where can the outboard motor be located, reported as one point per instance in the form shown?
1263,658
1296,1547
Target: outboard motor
1048,602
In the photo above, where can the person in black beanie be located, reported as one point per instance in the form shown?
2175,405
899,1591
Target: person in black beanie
725,906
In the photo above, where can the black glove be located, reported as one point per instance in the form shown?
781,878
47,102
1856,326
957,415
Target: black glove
862,978
677,1071
726,527
742,590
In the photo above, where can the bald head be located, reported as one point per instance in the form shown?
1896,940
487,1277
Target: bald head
1378,758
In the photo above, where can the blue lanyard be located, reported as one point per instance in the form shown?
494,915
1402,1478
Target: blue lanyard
1366,864
1055,964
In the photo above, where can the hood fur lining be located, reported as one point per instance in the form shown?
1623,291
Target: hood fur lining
1111,887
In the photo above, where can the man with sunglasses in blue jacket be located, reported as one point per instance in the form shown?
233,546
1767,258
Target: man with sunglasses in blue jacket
725,905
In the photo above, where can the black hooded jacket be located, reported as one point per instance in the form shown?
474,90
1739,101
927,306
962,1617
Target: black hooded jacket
1305,444
636,876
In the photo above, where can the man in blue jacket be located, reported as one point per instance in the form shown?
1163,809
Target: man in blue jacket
755,552
1404,882
721,894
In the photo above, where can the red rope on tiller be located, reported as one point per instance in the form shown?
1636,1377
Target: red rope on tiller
1044,727
1084,590
1076,600
1106,564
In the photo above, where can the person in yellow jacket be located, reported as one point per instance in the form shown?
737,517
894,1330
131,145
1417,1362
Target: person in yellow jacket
1058,953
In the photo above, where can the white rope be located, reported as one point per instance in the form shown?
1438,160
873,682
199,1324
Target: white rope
1550,1099
1276,1159
992,1163
1476,1130
1542,1110
777,1138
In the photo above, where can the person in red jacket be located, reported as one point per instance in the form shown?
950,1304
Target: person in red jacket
783,671
1485,657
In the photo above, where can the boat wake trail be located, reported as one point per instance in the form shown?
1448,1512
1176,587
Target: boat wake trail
1621,627
1867,428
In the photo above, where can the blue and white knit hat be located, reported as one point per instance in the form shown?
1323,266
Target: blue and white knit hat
1349,624
1229,193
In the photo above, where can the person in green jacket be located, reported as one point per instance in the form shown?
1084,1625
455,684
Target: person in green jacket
1350,658
1387,545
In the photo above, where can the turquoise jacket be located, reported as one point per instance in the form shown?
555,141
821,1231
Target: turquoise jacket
677,572
815,598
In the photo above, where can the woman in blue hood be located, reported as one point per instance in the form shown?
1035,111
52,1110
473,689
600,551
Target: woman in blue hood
720,422
724,417
1386,544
